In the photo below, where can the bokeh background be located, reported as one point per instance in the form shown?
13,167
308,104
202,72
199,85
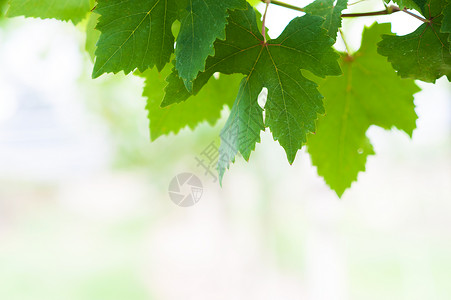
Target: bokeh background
85,212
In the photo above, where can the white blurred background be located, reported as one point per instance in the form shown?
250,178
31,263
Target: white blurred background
85,212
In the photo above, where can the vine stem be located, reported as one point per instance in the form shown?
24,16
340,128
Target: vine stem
348,50
387,11
354,3
283,4
415,16
264,20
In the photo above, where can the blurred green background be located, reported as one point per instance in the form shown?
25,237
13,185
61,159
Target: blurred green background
85,212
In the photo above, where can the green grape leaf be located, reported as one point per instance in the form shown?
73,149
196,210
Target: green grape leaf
134,34
293,101
204,22
205,106
242,129
3,6
418,5
67,10
368,93
423,54
254,2
330,13
92,36
446,22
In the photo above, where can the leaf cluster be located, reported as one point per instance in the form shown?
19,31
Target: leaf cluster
198,56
